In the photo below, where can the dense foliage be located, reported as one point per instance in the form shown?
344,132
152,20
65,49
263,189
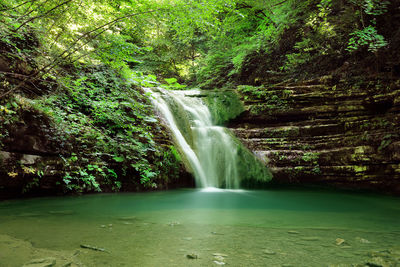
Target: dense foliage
84,63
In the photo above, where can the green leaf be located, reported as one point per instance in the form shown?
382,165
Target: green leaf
118,159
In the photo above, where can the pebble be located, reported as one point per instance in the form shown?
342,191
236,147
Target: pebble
339,241
219,262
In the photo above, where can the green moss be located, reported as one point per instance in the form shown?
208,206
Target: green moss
310,157
359,169
271,100
252,171
224,106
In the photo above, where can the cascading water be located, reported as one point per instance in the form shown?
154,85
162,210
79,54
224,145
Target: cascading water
210,151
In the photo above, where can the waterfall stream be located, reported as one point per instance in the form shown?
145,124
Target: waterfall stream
209,151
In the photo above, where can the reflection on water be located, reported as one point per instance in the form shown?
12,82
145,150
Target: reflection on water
239,228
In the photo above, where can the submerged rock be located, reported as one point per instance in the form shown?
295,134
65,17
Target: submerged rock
269,252
378,262
339,241
174,223
219,258
220,254
362,240
192,256
219,262
45,262
311,238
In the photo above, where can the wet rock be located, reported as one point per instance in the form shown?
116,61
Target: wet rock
30,159
45,262
325,136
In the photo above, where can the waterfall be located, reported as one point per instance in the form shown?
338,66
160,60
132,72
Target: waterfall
210,151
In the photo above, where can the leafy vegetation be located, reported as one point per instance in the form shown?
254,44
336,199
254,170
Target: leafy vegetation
82,66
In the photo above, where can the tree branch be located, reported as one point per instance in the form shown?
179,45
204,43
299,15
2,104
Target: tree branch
42,15
52,64
17,6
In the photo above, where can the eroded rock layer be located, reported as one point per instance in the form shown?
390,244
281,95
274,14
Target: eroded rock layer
315,133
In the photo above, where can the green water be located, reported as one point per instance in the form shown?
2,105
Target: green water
236,228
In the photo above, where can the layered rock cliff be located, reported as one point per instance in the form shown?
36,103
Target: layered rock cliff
327,133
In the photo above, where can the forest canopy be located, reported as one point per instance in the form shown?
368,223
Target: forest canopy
205,41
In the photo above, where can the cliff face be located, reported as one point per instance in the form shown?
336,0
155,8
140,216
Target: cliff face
318,133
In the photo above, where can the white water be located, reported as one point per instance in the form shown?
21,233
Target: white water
208,149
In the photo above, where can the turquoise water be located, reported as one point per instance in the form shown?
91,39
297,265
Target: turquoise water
233,228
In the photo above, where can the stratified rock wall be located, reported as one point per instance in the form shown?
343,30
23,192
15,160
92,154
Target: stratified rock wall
327,135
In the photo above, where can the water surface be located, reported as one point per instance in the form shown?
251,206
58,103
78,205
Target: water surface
236,228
